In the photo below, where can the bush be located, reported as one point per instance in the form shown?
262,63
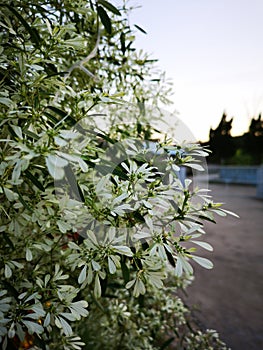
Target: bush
94,222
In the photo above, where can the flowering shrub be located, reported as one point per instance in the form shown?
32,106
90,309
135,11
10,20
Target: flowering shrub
97,226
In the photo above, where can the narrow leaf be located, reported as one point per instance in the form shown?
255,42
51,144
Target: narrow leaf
109,7
125,272
35,181
32,31
105,19
140,29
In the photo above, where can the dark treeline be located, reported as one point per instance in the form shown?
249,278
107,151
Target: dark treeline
246,149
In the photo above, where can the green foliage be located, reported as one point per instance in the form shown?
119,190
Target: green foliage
94,222
157,320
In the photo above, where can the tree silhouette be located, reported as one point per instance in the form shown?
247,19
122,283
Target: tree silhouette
221,142
253,139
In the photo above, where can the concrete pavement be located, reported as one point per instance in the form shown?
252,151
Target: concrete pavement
229,298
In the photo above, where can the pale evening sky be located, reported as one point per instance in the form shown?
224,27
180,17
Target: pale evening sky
213,52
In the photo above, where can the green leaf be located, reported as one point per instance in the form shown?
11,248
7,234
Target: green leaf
109,7
123,46
11,30
74,187
77,43
58,111
103,136
125,271
49,28
71,121
35,181
32,31
51,118
8,240
105,19
31,134
140,29
203,217
21,199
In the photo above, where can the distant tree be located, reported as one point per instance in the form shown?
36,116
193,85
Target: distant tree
221,142
253,140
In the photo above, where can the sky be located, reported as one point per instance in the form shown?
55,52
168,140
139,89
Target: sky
212,50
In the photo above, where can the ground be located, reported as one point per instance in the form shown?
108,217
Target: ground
228,298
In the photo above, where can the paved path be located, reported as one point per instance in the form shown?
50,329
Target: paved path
229,298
